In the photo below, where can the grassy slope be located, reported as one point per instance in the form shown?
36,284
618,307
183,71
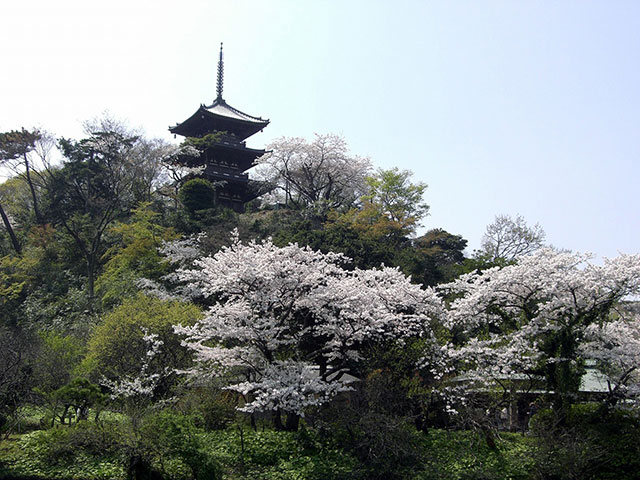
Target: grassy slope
272,455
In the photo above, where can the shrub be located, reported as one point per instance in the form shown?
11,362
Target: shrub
197,194
62,445
167,434
588,445
117,348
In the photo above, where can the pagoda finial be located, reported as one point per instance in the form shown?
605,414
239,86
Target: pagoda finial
220,74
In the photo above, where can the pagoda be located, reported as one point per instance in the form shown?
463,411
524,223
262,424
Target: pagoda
226,159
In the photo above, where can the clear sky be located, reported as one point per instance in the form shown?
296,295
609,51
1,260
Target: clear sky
499,106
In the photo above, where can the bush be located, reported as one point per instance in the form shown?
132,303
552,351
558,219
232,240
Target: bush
212,408
167,434
62,445
197,194
589,445
117,348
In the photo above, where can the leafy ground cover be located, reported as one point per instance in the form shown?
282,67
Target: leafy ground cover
175,446
242,453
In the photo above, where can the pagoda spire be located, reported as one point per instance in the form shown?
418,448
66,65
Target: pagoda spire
220,75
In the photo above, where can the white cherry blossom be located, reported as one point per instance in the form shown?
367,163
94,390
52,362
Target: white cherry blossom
288,323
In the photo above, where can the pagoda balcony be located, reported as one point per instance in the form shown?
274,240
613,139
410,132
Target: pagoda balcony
231,141
218,172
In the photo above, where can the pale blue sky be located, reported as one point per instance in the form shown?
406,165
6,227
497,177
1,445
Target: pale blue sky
501,107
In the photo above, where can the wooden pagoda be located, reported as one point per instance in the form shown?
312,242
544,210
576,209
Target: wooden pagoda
228,158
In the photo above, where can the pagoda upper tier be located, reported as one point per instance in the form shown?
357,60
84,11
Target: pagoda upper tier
226,158
219,117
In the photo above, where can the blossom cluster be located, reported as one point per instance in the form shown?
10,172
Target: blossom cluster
520,319
296,320
287,325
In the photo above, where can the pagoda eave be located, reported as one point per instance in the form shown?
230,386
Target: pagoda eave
204,121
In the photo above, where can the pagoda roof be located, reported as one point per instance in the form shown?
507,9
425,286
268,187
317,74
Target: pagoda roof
223,109
219,117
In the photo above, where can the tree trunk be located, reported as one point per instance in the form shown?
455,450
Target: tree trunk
7,224
36,210
489,437
90,279
293,421
277,420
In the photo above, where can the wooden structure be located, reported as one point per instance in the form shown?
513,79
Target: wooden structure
227,159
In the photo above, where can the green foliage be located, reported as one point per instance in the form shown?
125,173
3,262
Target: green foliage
214,409
430,259
205,142
79,394
94,187
197,194
59,355
364,251
588,444
42,270
279,455
133,255
437,257
464,455
17,202
117,349
15,149
13,283
67,313
174,446
15,144
83,451
17,357
167,434
392,196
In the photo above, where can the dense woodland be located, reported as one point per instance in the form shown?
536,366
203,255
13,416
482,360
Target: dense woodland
146,332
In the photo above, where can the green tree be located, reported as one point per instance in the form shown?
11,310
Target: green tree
15,149
365,251
133,255
57,358
117,348
9,227
93,189
437,256
17,353
197,194
393,197
17,202
41,272
79,395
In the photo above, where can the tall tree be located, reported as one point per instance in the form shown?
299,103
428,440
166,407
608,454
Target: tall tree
7,224
93,188
393,197
391,210
15,149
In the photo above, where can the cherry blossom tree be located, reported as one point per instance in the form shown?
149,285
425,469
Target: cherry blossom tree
509,238
287,324
615,346
531,318
320,174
